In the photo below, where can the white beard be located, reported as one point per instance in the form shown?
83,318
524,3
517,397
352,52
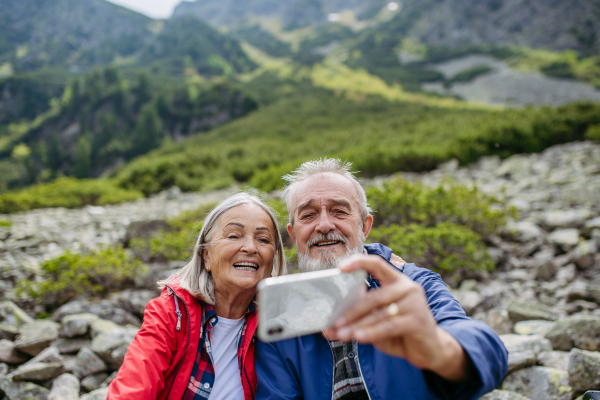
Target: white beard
327,259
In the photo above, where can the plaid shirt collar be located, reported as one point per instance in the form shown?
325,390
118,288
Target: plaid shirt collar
203,374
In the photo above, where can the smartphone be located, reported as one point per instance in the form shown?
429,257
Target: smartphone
305,303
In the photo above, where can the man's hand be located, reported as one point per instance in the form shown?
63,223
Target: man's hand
397,320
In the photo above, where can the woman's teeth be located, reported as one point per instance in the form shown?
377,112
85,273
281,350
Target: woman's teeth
246,266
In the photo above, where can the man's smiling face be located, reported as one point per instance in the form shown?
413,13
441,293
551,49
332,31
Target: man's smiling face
326,217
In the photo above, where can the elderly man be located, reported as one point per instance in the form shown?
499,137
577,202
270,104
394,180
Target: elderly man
406,339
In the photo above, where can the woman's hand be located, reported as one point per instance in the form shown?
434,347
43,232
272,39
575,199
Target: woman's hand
396,319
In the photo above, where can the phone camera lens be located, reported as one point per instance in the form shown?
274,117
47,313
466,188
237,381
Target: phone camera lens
276,330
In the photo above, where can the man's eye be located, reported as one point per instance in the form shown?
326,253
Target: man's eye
305,216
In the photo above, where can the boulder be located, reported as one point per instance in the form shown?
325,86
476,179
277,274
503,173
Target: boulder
584,370
503,395
3,369
497,320
566,218
592,224
526,311
38,371
65,387
35,336
582,290
520,359
66,346
110,378
100,326
22,390
76,324
48,355
583,255
87,363
581,331
546,270
554,359
7,331
534,327
565,238
525,231
134,301
468,300
519,343
9,354
98,394
94,381
539,383
112,345
11,314
104,309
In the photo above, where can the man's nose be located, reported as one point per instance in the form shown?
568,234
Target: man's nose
325,224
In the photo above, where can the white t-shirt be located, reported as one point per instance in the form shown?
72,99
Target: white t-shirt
224,344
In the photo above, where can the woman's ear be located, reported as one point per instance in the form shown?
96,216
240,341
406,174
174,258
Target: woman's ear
205,256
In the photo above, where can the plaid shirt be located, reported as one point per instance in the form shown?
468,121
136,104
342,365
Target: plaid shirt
348,383
203,374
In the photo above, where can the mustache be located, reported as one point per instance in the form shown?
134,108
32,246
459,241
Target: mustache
329,236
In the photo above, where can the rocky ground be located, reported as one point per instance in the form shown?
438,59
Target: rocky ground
543,299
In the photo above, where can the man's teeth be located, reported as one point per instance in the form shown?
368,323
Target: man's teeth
246,266
327,243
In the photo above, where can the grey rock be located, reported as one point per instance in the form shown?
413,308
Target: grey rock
539,383
87,363
497,320
66,346
134,301
100,326
76,324
520,359
595,236
584,370
3,369
94,381
35,336
69,362
7,331
546,271
534,327
110,378
554,359
566,218
48,355
579,306
13,315
98,394
503,395
112,345
9,354
22,390
468,299
567,273
582,290
583,255
518,343
65,387
104,309
592,224
565,238
37,371
582,332
525,231
526,311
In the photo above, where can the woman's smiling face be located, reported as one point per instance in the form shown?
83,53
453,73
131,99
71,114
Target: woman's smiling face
241,251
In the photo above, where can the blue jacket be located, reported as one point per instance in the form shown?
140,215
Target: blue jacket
302,368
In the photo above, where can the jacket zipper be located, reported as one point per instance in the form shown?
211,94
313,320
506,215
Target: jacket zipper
333,359
175,297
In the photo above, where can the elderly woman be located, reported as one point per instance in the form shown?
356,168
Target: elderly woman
198,337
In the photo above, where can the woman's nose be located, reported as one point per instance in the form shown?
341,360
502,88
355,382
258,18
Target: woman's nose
249,245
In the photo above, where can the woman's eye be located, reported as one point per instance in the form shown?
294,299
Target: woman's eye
232,237
264,240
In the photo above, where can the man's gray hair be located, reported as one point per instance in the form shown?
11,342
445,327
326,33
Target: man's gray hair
194,277
323,166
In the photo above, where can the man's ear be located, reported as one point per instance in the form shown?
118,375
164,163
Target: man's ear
367,225
290,230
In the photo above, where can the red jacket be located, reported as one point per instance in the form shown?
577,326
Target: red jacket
159,362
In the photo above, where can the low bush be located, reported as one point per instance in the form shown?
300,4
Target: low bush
400,202
5,223
96,272
593,133
446,248
66,192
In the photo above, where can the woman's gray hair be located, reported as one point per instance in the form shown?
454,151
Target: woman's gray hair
322,166
194,277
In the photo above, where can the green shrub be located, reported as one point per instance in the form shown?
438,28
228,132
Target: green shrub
97,272
66,192
5,223
446,248
593,133
400,202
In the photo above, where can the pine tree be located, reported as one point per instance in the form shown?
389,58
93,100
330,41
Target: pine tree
148,131
53,153
83,162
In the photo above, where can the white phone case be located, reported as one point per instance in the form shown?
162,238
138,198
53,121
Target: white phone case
306,303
